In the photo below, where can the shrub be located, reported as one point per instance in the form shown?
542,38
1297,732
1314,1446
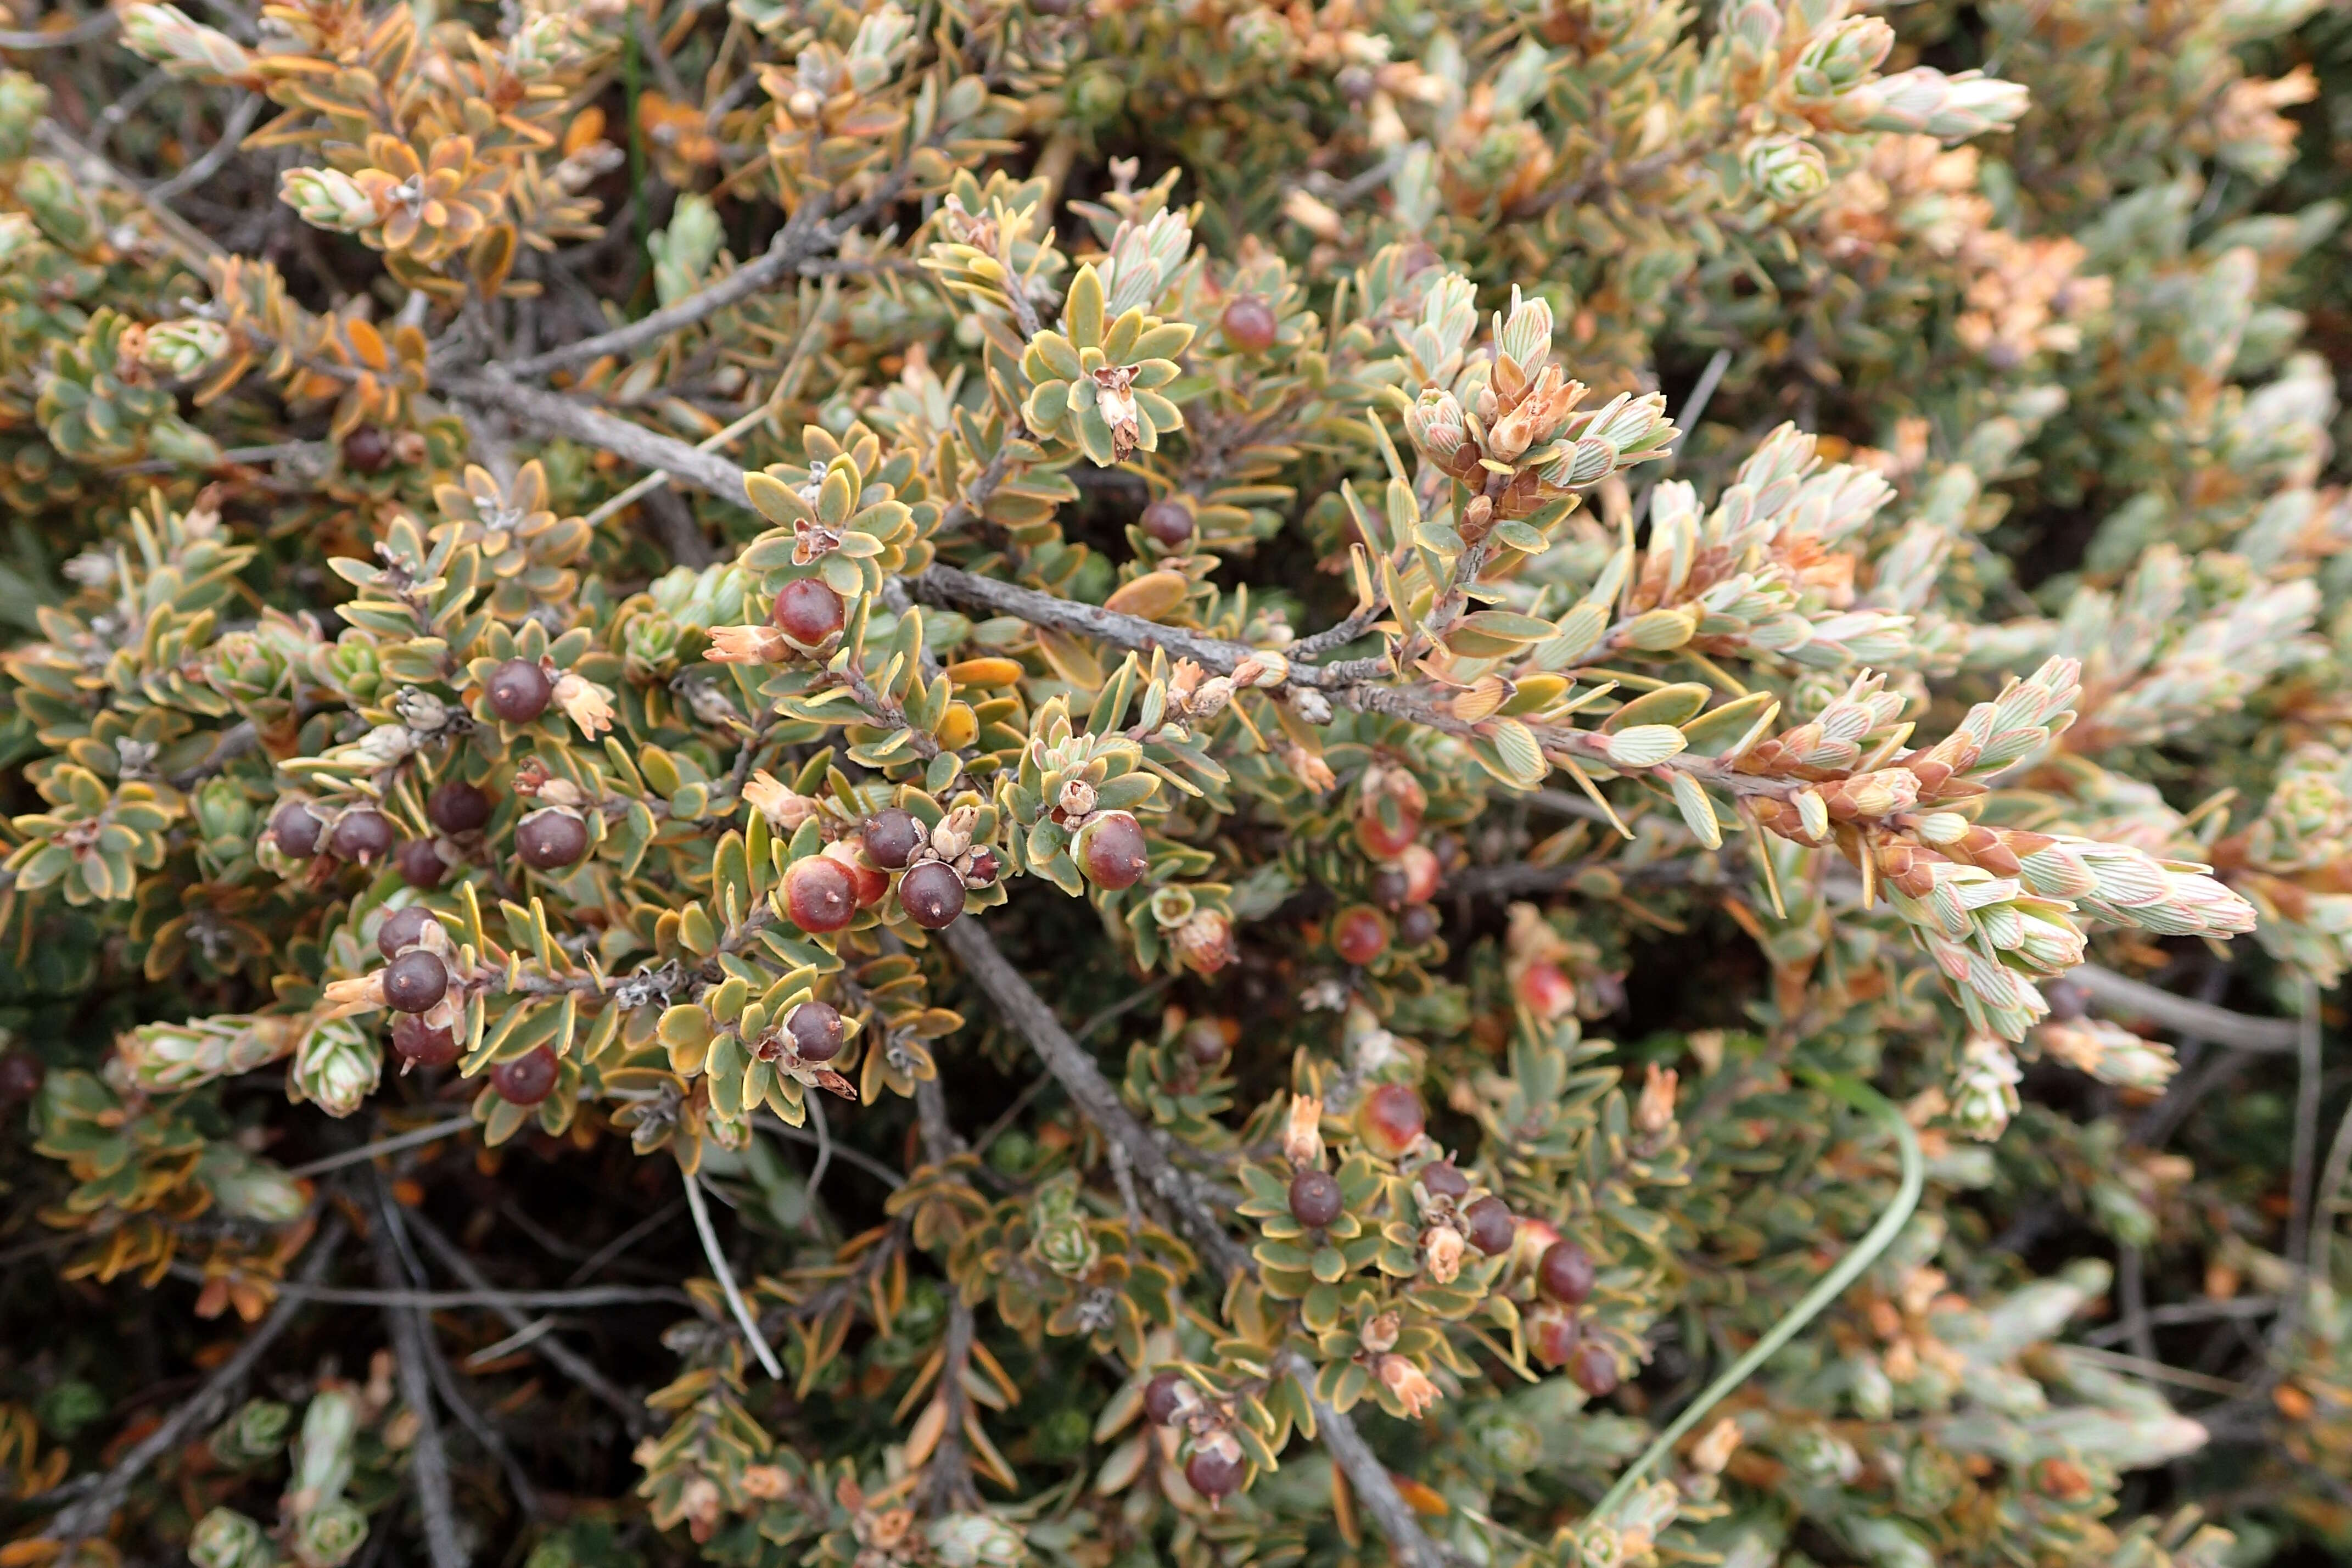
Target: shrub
1474,782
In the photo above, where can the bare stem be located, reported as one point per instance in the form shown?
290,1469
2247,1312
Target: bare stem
735,1303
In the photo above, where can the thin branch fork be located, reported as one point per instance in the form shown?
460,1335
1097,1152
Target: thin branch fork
86,1517
412,1351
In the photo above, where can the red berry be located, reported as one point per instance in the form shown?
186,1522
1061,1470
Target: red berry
362,835
1552,1335
932,894
296,828
1382,842
527,1079
1165,1397
1359,934
1418,926
1595,1369
891,837
1566,1272
1215,1468
21,1073
414,981
519,690
866,883
456,806
420,864
817,1031
418,1044
1167,520
1248,323
819,895
1419,864
367,451
1111,850
1314,1198
1443,1179
1388,887
1492,1228
985,868
1546,992
550,838
1390,1119
402,930
807,612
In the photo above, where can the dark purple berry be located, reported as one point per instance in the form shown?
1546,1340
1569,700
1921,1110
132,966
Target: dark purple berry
986,866
1314,1198
1443,1180
418,1044
1595,1369
456,806
367,451
414,981
1388,887
21,1073
550,838
527,1079
817,1031
1566,1272
1169,520
1216,1470
519,690
1205,1041
296,828
1419,925
402,930
1492,1226
362,835
1165,1397
891,837
932,894
420,864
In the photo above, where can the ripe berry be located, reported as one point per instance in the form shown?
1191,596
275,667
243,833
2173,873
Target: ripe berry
1215,1468
816,1032
1382,842
1359,934
21,1073
819,895
1546,992
363,835
1390,1119
519,690
1165,1397
868,883
414,981
1314,1198
807,612
1444,1179
296,828
932,894
418,1044
550,838
402,930
420,864
1418,926
1169,520
527,1079
367,451
985,868
1419,864
1111,850
1388,887
1491,1225
1566,1272
891,837
1552,1335
1595,1369
456,806
1249,324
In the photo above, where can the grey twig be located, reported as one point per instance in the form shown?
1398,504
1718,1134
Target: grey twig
390,1145
566,1360
2117,993
232,134
412,1350
86,1517
726,1276
1366,1474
